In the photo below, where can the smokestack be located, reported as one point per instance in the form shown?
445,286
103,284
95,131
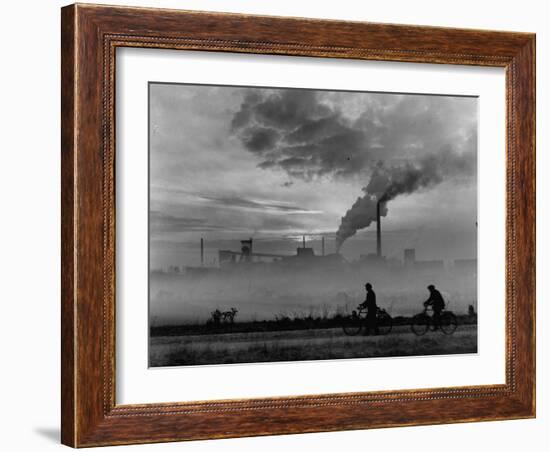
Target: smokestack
323,245
387,183
378,232
202,252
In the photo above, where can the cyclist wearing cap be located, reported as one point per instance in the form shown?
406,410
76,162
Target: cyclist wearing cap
437,303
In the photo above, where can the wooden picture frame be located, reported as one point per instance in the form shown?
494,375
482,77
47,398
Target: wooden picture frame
90,35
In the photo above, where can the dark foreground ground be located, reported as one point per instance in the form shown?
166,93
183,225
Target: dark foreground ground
302,345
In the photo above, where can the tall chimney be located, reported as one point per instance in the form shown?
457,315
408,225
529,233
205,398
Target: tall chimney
378,232
202,252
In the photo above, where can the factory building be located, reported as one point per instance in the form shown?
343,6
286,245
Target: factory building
306,257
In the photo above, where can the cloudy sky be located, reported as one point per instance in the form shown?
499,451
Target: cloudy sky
227,163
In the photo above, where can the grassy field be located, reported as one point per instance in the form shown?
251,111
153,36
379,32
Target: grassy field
300,345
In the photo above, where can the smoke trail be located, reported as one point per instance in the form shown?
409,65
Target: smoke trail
386,183
361,214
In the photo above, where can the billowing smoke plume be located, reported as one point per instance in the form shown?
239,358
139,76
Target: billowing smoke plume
361,214
386,183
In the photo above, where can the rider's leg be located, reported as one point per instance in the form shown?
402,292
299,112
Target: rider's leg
371,324
437,319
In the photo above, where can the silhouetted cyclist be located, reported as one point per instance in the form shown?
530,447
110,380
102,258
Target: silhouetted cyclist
437,303
370,305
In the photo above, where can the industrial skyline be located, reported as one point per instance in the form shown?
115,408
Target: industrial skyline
227,163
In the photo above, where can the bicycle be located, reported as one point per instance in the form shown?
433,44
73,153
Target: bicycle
423,321
354,323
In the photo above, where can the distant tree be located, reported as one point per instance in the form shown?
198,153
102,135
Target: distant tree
215,318
229,316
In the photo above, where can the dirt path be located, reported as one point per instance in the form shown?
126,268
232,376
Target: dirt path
305,345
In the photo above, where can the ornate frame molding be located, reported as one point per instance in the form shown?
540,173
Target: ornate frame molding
90,37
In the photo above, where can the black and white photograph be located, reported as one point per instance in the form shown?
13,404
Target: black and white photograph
298,224
275,226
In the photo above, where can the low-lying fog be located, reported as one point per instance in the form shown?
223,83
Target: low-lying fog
265,291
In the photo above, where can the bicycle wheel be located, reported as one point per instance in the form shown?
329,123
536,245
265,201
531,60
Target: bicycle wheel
420,324
384,322
448,323
352,325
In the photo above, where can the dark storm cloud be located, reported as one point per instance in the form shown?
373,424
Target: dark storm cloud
298,132
260,139
282,109
310,134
